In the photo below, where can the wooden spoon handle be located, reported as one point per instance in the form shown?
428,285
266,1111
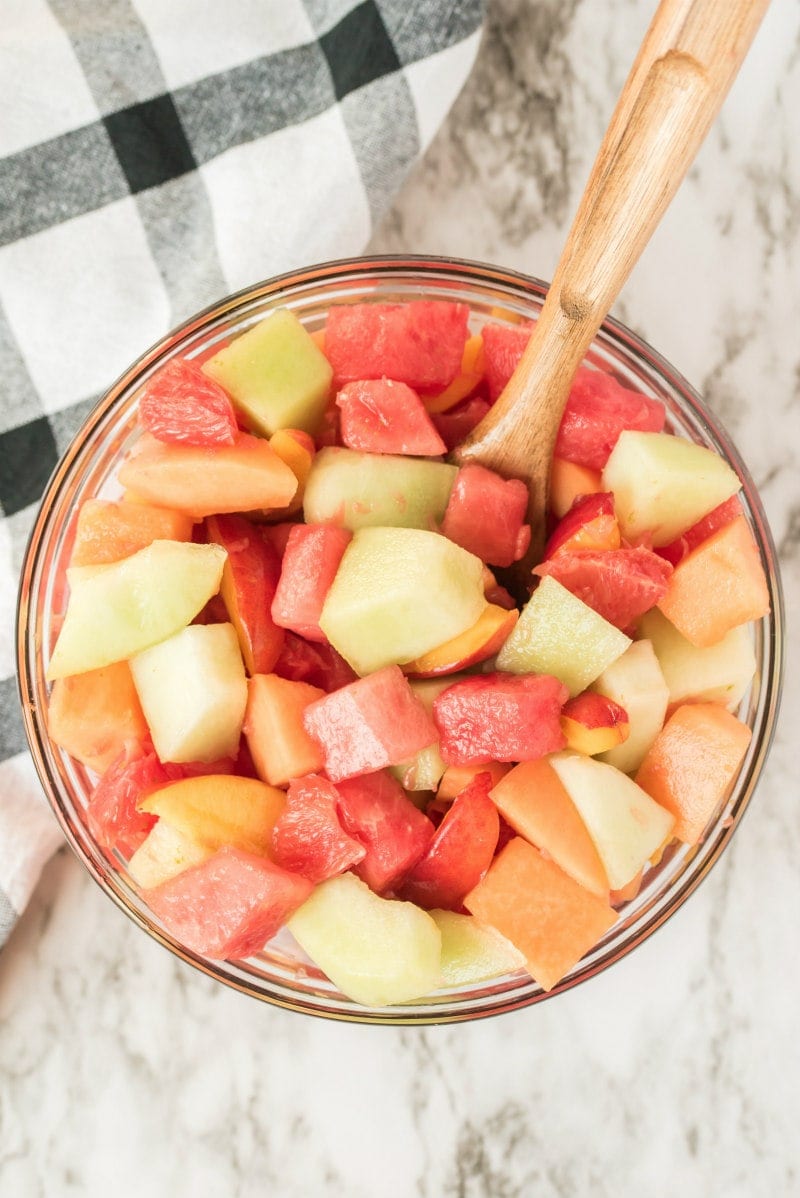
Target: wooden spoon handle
687,62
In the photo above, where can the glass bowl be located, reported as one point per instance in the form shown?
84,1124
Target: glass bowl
281,974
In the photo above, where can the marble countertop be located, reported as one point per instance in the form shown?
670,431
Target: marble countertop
677,1072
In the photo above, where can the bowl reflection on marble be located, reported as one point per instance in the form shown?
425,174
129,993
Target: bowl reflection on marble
281,974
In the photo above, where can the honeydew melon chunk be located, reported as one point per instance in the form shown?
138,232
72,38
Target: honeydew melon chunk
165,853
193,692
367,490
473,951
399,592
720,673
626,825
664,484
559,634
377,951
275,374
424,770
636,682
117,610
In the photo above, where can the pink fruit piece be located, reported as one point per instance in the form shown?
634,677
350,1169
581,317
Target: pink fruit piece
619,584
230,905
310,561
453,426
420,343
375,811
503,347
500,717
485,515
111,814
384,416
308,838
319,665
374,722
182,405
598,410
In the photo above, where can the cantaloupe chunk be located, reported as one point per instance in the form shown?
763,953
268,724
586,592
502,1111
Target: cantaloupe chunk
692,765
108,531
92,715
550,918
718,586
214,810
532,799
201,482
568,480
273,725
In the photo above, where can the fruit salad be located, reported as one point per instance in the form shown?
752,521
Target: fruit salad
307,701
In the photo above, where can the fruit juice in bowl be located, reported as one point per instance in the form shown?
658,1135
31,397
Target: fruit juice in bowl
442,799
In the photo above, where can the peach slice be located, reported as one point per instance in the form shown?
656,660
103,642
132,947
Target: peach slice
214,810
457,777
594,724
568,481
483,640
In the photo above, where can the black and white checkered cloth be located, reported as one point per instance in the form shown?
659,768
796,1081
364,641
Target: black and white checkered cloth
155,155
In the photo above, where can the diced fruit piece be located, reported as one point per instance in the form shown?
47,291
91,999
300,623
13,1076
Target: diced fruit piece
590,523
692,765
619,584
120,609
377,951
455,425
543,912
242,477
503,347
297,449
318,665
164,854
663,484
249,580
532,799
376,812
181,404
717,518
472,951
92,716
483,640
593,723
568,482
624,822
374,722
465,382
312,557
273,724
636,682
485,515
108,531
112,813
420,343
363,490
460,852
384,416
457,777
220,809
559,634
379,608
597,411
193,692
308,838
718,674
719,586
275,374
229,906
499,717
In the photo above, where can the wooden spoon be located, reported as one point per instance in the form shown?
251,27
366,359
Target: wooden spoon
685,66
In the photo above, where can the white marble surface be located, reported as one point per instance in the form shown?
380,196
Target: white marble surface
124,1072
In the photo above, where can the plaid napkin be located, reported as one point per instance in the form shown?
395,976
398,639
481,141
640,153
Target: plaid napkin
153,156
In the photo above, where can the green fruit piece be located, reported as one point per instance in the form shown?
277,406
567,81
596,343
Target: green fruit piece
193,692
118,610
472,951
719,673
377,951
663,484
559,634
365,490
275,374
399,592
636,682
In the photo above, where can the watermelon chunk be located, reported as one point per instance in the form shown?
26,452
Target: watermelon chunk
503,347
383,416
182,405
310,561
375,811
500,717
374,722
619,584
319,665
230,905
420,343
485,515
597,411
308,838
